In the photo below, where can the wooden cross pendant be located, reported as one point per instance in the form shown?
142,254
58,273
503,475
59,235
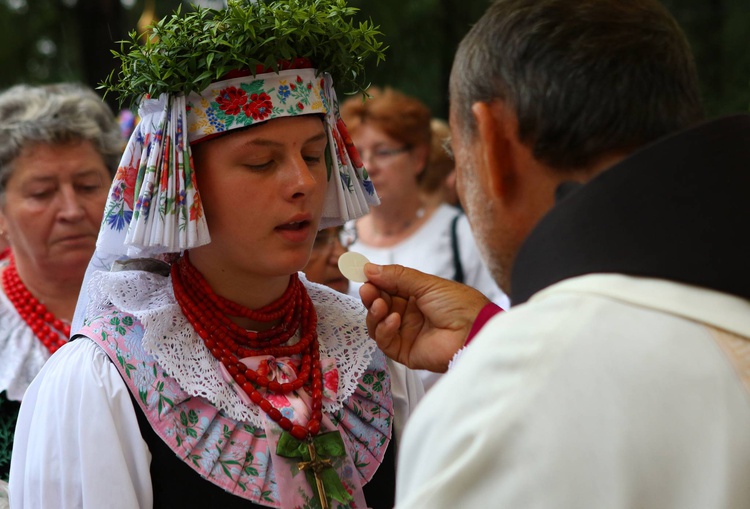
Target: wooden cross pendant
317,465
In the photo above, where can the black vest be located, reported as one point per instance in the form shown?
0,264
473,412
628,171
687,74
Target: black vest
177,485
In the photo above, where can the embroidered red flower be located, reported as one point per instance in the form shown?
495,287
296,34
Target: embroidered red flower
166,153
128,175
299,79
300,106
309,86
278,400
349,144
293,86
331,382
231,100
260,106
196,209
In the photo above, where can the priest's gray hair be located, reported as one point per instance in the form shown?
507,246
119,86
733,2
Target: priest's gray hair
585,78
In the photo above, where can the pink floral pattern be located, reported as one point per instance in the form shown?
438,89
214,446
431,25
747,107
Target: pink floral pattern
236,455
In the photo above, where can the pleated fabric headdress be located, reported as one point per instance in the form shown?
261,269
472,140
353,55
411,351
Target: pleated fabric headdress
210,71
206,72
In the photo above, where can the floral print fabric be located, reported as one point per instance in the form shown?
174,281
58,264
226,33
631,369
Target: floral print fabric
236,455
154,202
245,101
154,206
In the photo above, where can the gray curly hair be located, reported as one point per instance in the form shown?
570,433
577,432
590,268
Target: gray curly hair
52,114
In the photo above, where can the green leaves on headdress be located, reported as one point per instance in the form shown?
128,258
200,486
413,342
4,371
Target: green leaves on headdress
185,52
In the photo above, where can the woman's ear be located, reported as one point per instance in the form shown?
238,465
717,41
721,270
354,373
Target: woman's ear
3,223
421,154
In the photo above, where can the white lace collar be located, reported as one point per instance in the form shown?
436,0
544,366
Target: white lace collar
173,342
22,354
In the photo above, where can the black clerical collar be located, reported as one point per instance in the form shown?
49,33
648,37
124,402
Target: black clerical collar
678,209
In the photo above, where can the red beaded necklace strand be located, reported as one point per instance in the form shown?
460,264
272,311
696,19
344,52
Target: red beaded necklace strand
209,315
51,331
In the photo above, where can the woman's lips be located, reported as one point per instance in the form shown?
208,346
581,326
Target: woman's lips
295,231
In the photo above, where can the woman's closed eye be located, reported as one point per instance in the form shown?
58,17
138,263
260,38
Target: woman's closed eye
313,159
88,188
259,165
42,194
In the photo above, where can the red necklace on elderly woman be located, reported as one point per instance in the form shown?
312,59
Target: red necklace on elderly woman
51,331
209,315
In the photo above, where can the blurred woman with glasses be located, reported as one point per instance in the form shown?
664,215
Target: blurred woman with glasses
393,136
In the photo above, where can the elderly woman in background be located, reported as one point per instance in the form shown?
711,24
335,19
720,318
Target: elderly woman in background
392,134
323,267
59,149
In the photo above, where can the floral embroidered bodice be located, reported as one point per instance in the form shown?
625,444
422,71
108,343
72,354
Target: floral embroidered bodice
134,317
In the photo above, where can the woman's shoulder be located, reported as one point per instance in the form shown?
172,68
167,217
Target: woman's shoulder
77,369
80,357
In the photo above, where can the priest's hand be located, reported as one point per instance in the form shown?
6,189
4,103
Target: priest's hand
417,319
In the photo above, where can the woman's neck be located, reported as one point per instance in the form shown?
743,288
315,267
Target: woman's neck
389,224
248,290
58,291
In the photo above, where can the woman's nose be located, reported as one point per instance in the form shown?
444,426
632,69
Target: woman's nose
301,179
71,207
336,251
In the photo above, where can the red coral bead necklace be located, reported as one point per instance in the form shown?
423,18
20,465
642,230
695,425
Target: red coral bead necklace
51,331
209,314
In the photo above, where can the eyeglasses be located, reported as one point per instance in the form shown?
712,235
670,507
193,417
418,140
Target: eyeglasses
383,155
325,239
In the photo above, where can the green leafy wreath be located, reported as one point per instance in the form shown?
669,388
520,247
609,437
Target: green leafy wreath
184,53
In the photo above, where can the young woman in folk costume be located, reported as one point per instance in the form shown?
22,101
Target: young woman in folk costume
208,372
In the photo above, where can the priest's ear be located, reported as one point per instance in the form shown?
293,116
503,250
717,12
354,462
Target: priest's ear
499,148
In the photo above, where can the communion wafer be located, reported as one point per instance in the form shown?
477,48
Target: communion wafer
352,266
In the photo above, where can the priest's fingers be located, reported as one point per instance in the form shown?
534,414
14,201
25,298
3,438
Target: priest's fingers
369,293
387,335
442,303
399,280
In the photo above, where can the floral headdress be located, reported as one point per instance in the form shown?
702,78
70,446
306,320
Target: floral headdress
206,72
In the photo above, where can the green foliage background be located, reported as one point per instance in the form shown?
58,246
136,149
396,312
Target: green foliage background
53,40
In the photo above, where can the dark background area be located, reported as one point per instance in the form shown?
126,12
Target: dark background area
43,41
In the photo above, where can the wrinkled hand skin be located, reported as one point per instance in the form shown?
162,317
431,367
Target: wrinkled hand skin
418,319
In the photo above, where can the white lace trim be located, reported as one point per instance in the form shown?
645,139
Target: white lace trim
22,355
456,358
173,342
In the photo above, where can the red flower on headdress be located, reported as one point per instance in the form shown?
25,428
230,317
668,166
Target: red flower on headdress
349,144
260,106
231,100
300,106
196,209
299,79
128,175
